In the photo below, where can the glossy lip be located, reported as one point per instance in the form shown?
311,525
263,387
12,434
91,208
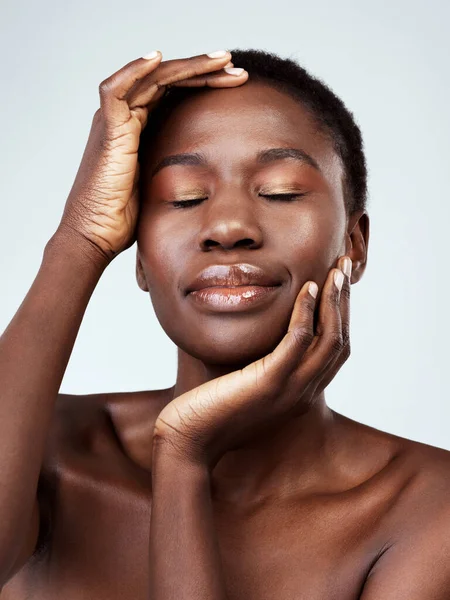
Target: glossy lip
232,276
232,299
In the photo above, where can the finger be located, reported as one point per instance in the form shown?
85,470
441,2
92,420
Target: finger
323,378
232,78
325,345
171,71
328,342
192,81
117,90
332,369
113,90
345,297
280,363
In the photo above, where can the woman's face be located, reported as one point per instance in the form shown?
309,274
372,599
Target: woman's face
292,240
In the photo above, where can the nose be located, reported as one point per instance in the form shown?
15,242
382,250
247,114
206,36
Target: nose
230,221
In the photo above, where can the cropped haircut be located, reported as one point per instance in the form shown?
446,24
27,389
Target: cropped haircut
328,112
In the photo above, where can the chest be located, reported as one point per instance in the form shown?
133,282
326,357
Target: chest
99,549
317,549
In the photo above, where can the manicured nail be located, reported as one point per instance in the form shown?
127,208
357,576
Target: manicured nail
313,289
217,54
339,279
151,55
234,71
347,266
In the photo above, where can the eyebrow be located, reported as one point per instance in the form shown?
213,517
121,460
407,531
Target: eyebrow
263,157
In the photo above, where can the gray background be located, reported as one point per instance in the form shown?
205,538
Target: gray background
388,62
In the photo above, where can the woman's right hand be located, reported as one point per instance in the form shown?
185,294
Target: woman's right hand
103,204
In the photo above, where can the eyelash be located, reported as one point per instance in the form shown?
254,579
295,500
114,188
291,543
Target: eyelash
281,197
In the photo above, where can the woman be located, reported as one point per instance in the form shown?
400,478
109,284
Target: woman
248,207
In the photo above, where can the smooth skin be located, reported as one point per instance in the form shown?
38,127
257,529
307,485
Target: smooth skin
239,481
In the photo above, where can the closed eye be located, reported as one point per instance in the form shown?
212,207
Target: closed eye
273,197
282,197
186,203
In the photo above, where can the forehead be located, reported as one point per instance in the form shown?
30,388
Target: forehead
231,125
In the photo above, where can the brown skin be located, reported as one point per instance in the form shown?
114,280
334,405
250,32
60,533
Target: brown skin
253,487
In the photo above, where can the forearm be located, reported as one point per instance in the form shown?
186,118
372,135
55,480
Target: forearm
34,352
184,552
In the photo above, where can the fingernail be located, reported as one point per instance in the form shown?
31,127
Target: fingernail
230,64
234,71
339,279
313,289
347,266
217,54
151,55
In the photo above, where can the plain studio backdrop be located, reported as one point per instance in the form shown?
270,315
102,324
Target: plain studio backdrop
388,61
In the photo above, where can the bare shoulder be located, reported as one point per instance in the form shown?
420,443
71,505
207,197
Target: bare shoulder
417,473
82,414
413,561
82,435
429,481
425,464
410,475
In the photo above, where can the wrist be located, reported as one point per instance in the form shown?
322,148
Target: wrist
68,243
168,455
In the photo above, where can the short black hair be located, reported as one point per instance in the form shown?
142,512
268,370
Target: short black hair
328,111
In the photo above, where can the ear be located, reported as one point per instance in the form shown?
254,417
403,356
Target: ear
140,275
357,243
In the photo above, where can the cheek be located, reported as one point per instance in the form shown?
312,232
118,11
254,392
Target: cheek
163,250
312,242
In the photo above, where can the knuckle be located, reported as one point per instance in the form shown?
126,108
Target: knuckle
303,336
346,290
333,299
107,85
104,87
309,305
159,85
336,342
346,334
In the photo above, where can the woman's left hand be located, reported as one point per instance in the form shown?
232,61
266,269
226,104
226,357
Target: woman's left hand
227,412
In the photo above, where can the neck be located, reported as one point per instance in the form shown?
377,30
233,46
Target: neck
273,464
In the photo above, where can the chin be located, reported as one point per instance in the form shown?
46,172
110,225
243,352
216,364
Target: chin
231,339
229,346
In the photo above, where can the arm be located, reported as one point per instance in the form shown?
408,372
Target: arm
99,218
184,552
34,352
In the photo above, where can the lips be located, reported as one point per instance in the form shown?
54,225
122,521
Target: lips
236,275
